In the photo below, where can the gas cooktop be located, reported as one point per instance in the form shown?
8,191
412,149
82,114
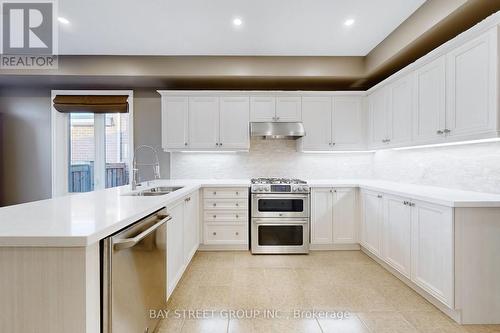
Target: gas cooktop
279,185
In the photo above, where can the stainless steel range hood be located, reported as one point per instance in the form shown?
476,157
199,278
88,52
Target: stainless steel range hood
274,130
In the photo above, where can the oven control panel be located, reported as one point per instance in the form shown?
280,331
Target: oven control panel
280,188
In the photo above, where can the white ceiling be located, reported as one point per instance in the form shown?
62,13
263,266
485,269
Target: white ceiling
204,27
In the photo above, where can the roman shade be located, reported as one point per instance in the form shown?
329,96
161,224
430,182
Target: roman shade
91,103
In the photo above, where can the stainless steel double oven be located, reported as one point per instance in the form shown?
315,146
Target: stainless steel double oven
279,216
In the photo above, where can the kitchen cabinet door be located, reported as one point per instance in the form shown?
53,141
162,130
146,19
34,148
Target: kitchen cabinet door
472,89
432,250
234,122
348,123
174,122
262,108
289,109
400,111
429,98
321,216
344,216
371,221
203,122
317,120
397,234
175,246
191,226
377,104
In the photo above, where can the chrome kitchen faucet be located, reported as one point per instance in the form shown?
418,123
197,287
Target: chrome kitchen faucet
135,165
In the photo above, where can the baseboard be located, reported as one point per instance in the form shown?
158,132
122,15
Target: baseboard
224,247
456,315
334,247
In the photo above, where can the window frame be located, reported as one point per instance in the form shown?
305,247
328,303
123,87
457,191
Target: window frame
60,140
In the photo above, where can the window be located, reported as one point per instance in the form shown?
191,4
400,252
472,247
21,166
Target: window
90,150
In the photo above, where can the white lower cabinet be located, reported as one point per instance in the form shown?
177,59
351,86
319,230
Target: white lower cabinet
175,246
225,217
371,220
182,237
413,237
432,250
396,243
333,216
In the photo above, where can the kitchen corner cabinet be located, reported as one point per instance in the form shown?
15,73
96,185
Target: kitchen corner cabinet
333,123
377,118
275,108
333,216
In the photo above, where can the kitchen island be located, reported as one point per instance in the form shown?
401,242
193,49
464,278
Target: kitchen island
50,260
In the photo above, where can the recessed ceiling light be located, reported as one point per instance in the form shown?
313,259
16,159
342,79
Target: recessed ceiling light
237,21
63,20
349,22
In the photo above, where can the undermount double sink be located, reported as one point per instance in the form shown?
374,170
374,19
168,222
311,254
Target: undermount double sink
155,191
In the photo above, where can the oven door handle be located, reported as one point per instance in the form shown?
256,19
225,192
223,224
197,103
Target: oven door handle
280,196
283,223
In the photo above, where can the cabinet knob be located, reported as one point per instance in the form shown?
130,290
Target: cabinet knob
185,143
439,132
379,196
333,143
237,204
215,216
215,205
447,130
215,193
237,233
217,144
237,193
237,216
277,118
214,233
220,143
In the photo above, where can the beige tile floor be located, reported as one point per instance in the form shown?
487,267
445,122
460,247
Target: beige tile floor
327,282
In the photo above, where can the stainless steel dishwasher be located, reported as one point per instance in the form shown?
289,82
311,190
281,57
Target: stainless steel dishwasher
134,275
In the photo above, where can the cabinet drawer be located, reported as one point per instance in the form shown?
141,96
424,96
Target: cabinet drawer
226,233
223,216
225,192
225,204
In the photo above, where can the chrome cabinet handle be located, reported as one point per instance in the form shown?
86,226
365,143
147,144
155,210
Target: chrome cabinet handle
126,243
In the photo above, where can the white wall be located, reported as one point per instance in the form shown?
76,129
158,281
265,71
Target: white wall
270,158
473,167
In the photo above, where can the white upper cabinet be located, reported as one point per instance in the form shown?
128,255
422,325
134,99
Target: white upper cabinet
472,89
317,120
432,253
397,234
203,122
262,109
234,121
289,109
348,123
429,99
281,108
174,122
377,113
399,108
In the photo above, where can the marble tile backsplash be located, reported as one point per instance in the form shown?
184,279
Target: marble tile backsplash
271,158
474,167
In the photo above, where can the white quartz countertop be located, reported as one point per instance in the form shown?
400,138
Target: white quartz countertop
83,219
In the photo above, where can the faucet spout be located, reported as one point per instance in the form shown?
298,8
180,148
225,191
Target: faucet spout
155,164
